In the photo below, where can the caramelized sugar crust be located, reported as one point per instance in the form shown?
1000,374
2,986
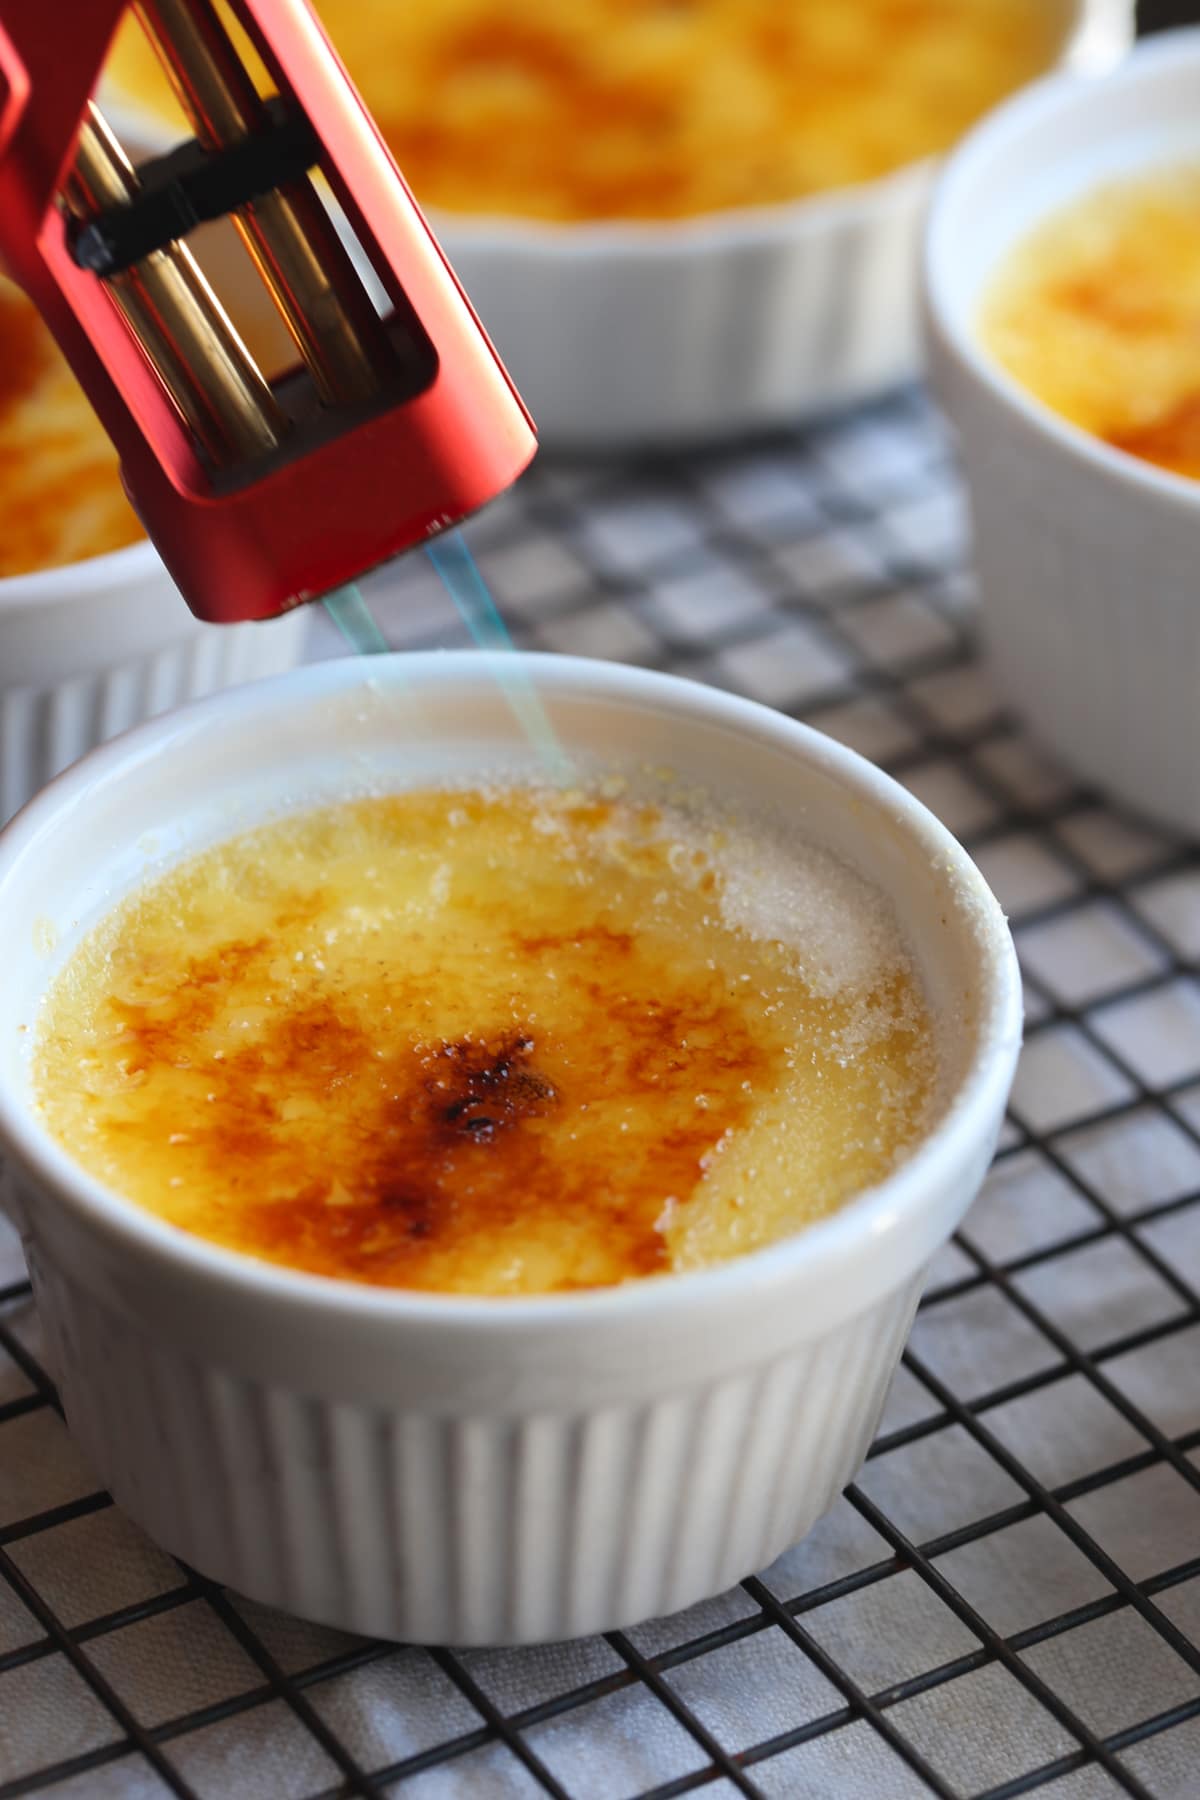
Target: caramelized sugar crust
61,499
658,109
1097,313
489,1043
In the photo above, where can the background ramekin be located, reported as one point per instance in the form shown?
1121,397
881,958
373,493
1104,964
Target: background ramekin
686,331
683,332
627,334
1087,558
473,1470
94,647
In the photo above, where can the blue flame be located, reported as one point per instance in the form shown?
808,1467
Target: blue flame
465,585
469,591
355,620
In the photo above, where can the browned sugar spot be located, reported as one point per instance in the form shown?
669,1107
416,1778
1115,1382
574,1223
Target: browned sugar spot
1172,442
1113,298
344,1148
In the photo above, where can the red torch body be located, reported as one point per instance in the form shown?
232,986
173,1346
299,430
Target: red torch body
352,461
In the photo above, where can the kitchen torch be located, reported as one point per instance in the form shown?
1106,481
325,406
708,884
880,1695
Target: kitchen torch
392,422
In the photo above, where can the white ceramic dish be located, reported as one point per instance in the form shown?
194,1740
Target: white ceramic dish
480,1471
622,334
91,648
714,327
1087,557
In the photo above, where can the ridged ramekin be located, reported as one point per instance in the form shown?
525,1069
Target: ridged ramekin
91,648
472,1470
1087,557
681,332
670,333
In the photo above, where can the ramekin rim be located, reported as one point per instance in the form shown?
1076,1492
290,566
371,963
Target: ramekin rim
978,1098
982,145
696,234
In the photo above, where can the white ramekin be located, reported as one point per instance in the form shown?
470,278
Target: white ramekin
1087,557
471,1470
92,648
623,334
707,328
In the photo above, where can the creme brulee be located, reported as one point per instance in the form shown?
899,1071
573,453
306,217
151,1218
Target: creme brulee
1097,313
492,1041
660,109
61,498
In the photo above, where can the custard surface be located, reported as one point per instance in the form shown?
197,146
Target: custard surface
660,109
491,1042
1097,313
61,499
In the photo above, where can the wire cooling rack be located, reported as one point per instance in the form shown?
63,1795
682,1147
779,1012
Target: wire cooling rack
1007,1601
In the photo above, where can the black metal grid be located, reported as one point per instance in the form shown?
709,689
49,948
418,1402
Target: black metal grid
825,572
